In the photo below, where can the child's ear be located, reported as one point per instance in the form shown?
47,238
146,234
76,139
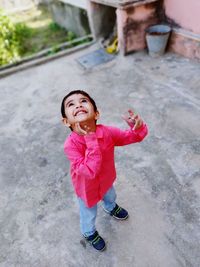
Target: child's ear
97,116
66,123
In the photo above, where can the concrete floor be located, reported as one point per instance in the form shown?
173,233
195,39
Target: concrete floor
158,180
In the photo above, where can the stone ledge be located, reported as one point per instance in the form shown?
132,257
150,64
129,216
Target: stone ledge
185,43
123,4
187,34
78,3
38,61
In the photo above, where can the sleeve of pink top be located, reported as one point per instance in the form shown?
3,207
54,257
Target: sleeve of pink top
122,138
85,163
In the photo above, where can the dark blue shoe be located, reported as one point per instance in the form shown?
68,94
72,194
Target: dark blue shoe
118,213
96,241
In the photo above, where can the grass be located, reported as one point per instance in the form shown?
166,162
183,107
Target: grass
43,32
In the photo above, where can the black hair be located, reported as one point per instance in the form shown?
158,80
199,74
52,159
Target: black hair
73,93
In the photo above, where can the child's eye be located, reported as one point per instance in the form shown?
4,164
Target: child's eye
84,100
70,104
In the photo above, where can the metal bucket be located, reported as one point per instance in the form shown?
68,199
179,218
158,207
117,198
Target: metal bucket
157,37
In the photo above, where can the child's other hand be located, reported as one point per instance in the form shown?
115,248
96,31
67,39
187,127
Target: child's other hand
133,120
82,131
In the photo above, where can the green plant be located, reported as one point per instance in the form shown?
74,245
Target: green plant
22,33
53,26
70,36
86,40
12,39
9,52
54,50
20,39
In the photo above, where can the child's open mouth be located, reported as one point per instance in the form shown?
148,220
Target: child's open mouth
79,112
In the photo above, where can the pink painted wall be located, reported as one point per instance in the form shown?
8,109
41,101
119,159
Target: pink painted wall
186,13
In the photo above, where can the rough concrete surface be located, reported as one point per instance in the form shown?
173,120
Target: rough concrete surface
158,180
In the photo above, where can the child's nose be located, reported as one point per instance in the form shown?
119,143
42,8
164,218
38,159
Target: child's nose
79,105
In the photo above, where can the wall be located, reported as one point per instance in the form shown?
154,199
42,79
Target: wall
185,13
102,19
185,37
78,3
132,23
70,17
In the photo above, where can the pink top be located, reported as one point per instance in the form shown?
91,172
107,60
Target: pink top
92,159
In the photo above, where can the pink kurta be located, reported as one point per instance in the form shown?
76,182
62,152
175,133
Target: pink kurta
92,159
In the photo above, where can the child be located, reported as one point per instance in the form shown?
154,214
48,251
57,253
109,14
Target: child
90,149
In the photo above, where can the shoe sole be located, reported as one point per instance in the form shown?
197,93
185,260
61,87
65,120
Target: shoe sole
100,249
97,249
120,219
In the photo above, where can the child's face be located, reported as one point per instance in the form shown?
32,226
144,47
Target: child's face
78,108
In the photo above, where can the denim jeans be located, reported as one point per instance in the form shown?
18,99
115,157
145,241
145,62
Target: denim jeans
88,215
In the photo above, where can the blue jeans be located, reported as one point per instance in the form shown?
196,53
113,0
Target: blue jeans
88,215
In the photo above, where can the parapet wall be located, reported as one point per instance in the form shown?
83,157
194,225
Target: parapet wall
184,17
184,13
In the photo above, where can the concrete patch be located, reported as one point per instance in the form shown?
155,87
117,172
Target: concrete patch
95,58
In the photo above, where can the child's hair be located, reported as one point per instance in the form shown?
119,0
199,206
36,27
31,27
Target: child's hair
73,93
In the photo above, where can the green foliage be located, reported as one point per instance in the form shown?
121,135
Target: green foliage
53,26
53,50
86,40
18,39
23,33
70,36
12,39
8,42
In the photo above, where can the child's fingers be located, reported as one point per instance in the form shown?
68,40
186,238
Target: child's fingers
138,123
129,120
131,112
80,129
133,119
87,128
137,119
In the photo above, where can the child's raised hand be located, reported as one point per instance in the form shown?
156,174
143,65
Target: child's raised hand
82,131
133,120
